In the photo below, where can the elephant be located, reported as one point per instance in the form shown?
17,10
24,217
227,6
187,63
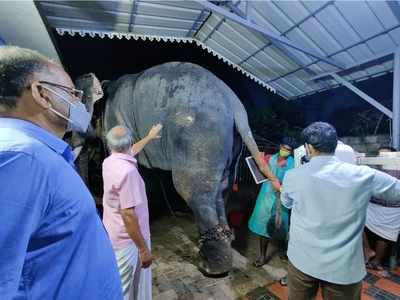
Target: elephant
92,92
199,114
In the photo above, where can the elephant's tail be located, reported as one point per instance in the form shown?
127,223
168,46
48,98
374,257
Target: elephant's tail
243,128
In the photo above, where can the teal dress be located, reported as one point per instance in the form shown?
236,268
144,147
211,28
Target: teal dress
266,200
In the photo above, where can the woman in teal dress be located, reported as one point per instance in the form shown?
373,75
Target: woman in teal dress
266,205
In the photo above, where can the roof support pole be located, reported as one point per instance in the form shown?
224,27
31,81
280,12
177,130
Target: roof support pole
363,95
396,100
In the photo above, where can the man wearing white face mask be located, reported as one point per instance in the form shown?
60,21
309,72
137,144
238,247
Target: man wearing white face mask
77,116
53,245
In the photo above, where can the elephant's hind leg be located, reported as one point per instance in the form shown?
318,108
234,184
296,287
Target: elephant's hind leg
201,191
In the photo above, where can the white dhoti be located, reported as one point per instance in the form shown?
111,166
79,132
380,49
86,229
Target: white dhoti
136,281
383,221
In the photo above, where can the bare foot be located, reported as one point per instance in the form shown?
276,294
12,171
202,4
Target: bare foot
368,255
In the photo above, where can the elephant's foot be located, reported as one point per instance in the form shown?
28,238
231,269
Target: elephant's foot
215,252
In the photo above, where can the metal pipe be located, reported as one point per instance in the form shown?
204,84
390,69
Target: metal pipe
363,95
396,99
270,35
337,52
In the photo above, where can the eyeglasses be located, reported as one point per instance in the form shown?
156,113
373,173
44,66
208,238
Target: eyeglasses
77,94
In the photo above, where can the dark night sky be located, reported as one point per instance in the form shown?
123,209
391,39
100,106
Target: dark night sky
111,58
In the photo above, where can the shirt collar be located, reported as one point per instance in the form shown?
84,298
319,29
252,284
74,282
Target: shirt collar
124,156
324,158
40,134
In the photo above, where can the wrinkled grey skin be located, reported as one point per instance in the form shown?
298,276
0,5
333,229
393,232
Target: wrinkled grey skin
198,112
77,141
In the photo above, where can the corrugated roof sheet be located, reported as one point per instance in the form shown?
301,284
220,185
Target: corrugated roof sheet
348,32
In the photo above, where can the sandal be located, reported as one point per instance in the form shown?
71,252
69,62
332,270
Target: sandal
374,266
283,281
378,268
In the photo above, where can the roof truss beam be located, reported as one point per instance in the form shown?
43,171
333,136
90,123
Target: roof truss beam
288,30
361,64
363,95
337,52
395,7
270,35
195,25
234,8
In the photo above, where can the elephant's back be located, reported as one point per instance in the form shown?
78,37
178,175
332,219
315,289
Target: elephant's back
178,83
186,98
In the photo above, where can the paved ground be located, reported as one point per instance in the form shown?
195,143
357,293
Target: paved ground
175,275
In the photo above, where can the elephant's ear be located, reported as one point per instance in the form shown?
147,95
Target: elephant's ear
97,89
105,84
91,87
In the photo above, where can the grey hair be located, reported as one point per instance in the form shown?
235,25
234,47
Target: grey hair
17,66
119,139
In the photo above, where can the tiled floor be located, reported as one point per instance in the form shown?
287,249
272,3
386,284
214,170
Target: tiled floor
374,287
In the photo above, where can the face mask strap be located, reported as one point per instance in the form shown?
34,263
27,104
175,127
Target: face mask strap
55,111
59,95
64,99
78,119
59,114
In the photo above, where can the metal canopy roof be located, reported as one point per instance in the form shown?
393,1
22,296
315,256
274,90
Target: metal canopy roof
288,46
14,24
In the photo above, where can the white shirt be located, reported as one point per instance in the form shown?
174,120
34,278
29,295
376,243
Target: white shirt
329,200
345,153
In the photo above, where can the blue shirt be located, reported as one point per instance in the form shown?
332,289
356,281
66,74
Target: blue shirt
329,201
53,245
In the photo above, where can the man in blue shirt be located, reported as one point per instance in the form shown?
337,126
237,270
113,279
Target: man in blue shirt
53,245
329,201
